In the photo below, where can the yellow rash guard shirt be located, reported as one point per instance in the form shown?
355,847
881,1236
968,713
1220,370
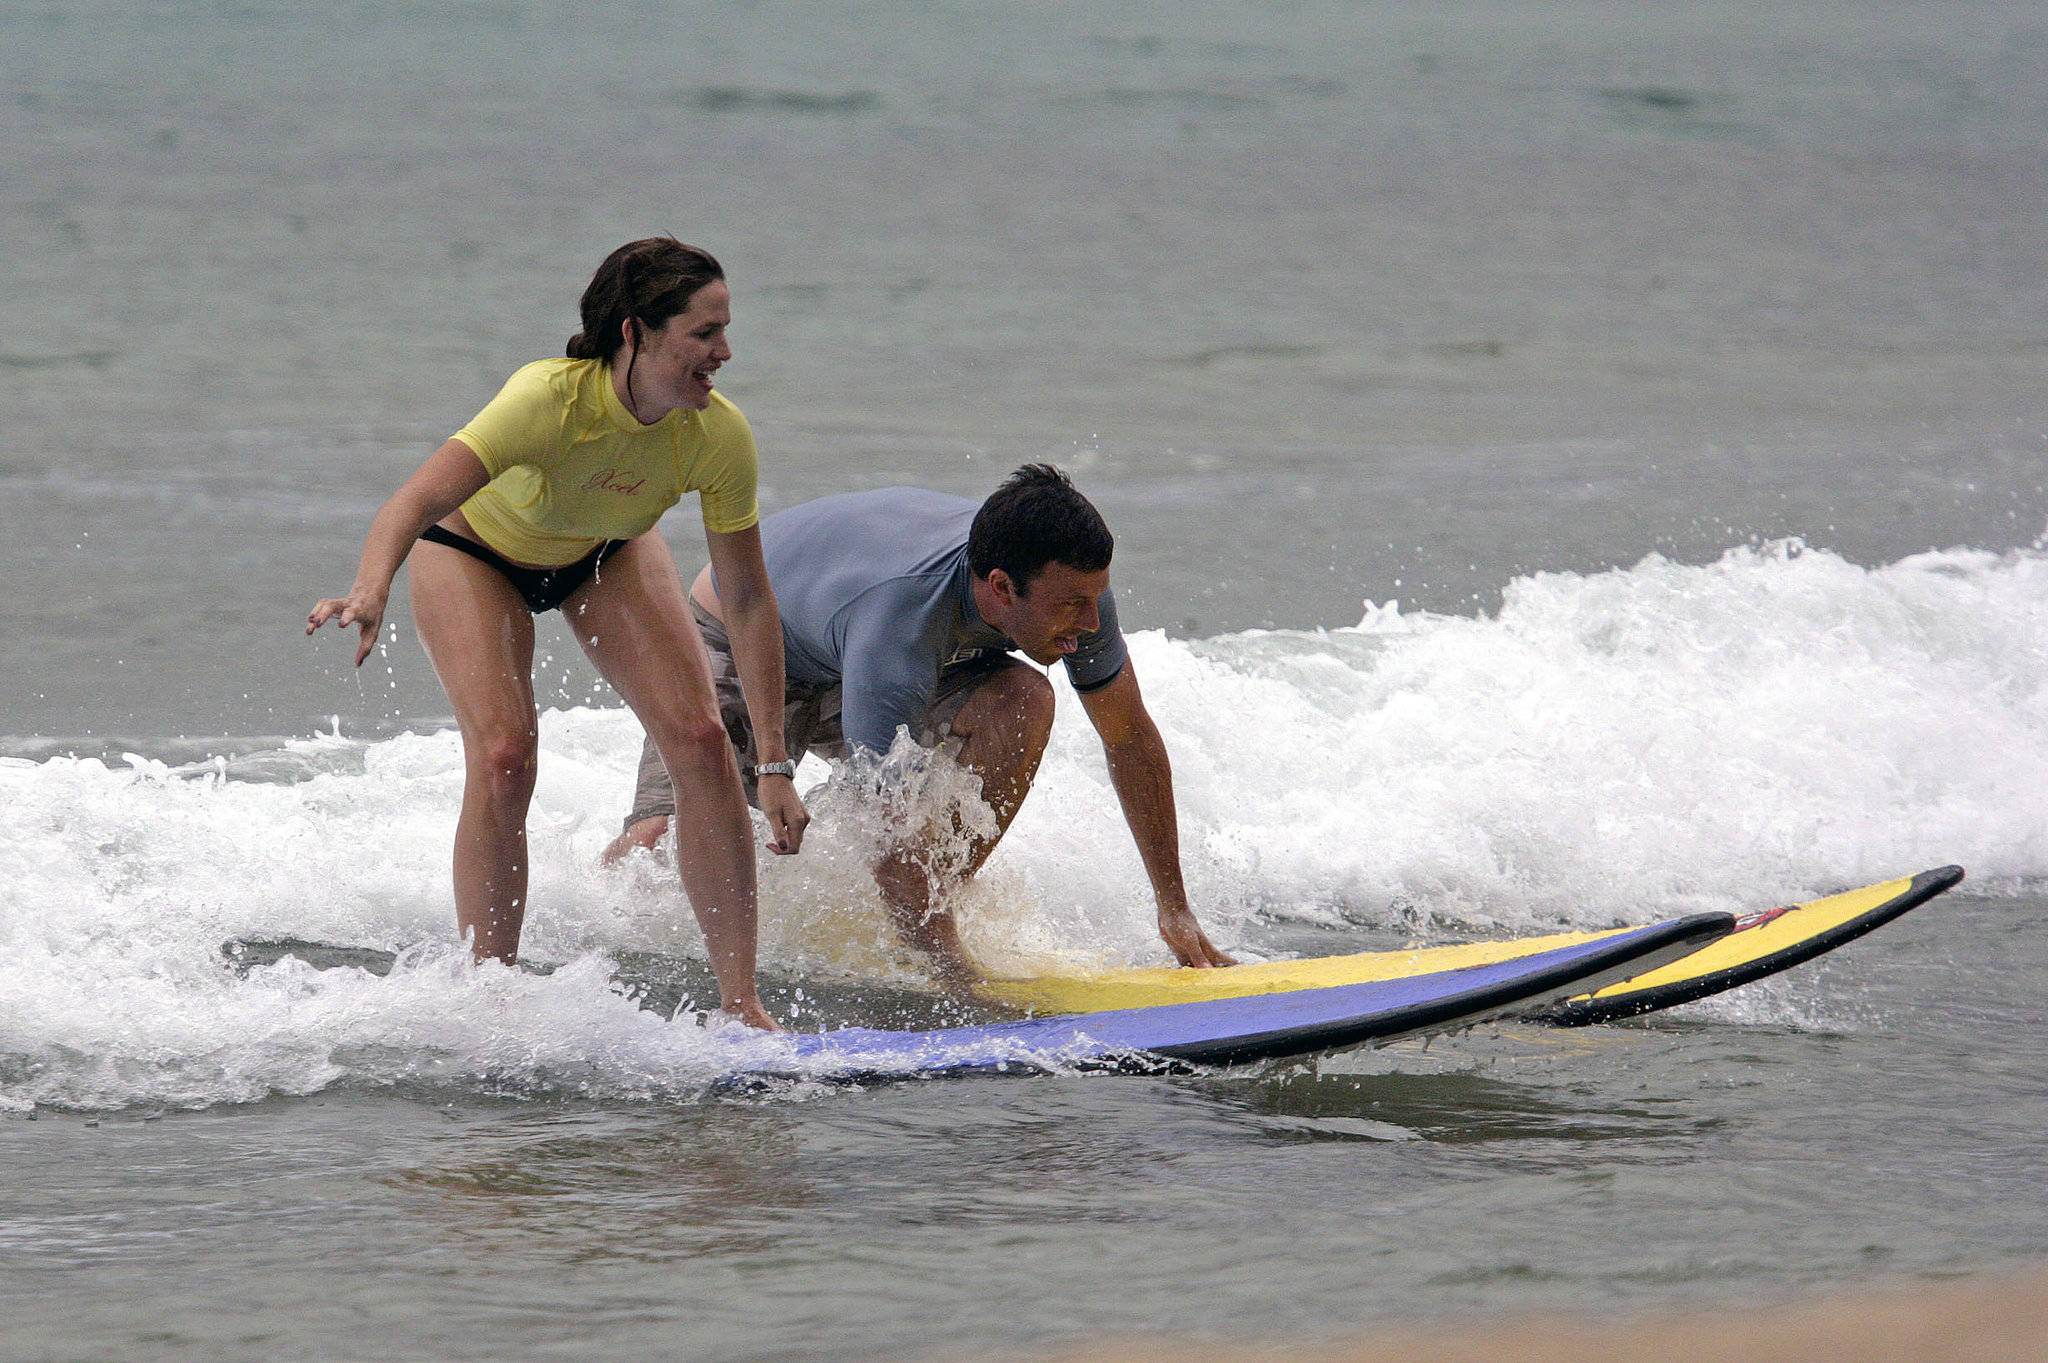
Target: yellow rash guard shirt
571,467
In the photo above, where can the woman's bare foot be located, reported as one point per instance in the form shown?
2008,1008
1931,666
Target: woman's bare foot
752,1013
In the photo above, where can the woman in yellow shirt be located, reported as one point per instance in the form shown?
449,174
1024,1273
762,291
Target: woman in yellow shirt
549,499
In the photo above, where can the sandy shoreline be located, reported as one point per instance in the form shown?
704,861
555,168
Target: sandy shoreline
1981,1318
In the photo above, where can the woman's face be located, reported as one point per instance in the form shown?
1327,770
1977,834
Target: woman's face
676,361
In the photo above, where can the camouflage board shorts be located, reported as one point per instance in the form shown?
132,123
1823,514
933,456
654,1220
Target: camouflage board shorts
810,718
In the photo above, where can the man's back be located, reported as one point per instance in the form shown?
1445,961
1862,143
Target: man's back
876,595
897,554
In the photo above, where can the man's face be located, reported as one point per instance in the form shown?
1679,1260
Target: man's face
1046,620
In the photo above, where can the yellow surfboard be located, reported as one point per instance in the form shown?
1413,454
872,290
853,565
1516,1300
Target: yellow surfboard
1762,944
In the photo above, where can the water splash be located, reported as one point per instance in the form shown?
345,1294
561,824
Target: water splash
1618,747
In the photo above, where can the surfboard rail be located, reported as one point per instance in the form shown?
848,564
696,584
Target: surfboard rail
1240,1030
1511,993
1762,945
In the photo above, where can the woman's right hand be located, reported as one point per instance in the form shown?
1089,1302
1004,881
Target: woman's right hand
361,608
451,475
787,817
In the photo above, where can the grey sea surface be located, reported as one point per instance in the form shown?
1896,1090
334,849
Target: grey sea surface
1474,308
1426,298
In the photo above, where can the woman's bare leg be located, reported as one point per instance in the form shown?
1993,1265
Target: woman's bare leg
634,621
479,635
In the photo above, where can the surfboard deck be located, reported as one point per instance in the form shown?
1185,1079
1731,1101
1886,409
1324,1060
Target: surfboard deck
1238,1030
1762,944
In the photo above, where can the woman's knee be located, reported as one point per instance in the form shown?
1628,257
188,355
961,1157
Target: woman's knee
505,765
695,747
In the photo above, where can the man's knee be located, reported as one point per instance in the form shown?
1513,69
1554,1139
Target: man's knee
1024,698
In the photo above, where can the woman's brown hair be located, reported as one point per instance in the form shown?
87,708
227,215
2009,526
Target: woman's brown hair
646,281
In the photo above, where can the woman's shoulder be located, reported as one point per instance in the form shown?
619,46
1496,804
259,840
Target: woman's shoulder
539,405
561,376
556,393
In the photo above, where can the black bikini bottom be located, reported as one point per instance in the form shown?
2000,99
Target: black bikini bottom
543,588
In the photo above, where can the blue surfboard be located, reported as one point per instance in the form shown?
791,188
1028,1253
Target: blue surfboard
1239,1030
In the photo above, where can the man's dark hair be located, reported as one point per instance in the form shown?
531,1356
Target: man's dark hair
1037,517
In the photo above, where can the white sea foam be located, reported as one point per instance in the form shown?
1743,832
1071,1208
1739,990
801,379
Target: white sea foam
1611,748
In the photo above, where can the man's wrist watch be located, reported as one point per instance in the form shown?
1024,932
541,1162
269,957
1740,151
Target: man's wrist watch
761,769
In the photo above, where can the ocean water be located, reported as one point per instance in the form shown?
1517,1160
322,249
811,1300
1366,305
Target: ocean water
1572,466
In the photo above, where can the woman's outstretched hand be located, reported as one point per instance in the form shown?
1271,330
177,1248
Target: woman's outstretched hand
360,608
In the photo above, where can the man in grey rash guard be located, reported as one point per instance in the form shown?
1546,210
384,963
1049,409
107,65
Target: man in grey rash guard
900,608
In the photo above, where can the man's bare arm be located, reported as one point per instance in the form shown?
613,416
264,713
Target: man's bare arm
1143,777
